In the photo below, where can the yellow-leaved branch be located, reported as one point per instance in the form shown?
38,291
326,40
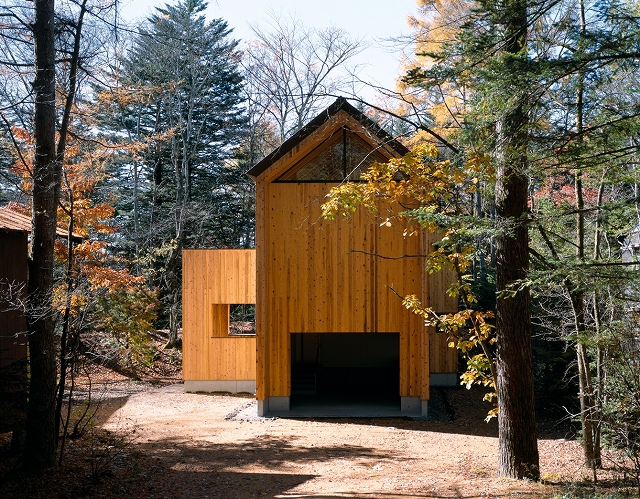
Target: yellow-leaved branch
441,188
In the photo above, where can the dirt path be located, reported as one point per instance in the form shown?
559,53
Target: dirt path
214,446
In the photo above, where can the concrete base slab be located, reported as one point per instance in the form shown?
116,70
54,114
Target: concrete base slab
340,407
424,408
444,379
262,408
230,386
409,404
279,404
274,406
246,386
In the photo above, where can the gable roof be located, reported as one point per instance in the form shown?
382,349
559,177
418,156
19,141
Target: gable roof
340,104
17,222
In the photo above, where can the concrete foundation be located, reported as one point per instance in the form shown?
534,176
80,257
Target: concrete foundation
410,404
281,406
230,386
444,379
273,405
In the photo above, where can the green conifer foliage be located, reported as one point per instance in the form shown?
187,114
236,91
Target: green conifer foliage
183,100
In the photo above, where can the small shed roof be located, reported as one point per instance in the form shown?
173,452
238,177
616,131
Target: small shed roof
340,104
17,222
11,220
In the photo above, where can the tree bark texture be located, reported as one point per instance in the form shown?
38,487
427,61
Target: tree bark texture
517,443
40,441
518,447
578,298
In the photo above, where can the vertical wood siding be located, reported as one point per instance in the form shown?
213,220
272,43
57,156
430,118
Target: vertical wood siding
13,274
443,359
13,329
344,275
317,276
212,280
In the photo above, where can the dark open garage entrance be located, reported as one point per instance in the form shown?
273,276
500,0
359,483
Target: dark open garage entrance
345,373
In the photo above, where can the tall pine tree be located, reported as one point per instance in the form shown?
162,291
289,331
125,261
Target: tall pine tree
183,97
530,73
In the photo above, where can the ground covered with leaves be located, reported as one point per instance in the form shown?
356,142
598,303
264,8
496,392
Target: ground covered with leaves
150,439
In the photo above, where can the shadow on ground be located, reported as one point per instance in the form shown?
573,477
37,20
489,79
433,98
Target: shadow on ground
455,410
265,451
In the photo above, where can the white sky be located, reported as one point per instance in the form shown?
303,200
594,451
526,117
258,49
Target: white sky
374,21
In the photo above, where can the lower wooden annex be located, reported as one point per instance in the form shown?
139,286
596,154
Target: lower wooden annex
213,358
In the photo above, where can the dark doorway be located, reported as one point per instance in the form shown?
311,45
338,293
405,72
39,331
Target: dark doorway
345,369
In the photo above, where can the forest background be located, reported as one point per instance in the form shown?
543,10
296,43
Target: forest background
523,120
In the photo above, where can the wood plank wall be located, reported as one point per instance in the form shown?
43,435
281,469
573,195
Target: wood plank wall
434,293
211,281
13,330
13,273
396,278
323,276
223,359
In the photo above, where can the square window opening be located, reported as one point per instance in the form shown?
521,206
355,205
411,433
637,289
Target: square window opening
242,319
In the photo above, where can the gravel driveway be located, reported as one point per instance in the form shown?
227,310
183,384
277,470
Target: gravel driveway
214,445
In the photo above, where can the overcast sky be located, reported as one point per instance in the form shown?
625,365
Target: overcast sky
374,21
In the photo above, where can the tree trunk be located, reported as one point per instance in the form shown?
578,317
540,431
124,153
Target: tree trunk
60,159
586,406
40,441
517,445
578,304
597,388
174,282
173,341
578,299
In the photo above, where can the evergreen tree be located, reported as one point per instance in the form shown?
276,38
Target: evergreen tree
183,98
489,54
517,80
533,76
582,190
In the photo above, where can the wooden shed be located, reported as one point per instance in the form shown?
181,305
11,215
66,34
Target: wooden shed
329,316
14,230
14,246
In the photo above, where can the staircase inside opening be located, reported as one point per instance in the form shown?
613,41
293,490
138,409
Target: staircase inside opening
340,369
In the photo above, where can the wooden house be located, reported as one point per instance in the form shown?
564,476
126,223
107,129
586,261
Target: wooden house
329,313
215,358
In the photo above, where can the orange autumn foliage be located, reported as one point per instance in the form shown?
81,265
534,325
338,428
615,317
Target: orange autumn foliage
94,275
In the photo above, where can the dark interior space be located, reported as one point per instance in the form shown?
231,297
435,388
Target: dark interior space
332,369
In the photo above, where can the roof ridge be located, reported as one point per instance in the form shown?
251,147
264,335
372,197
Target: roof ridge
341,103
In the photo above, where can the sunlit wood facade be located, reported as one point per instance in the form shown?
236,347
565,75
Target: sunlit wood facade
213,359
318,277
